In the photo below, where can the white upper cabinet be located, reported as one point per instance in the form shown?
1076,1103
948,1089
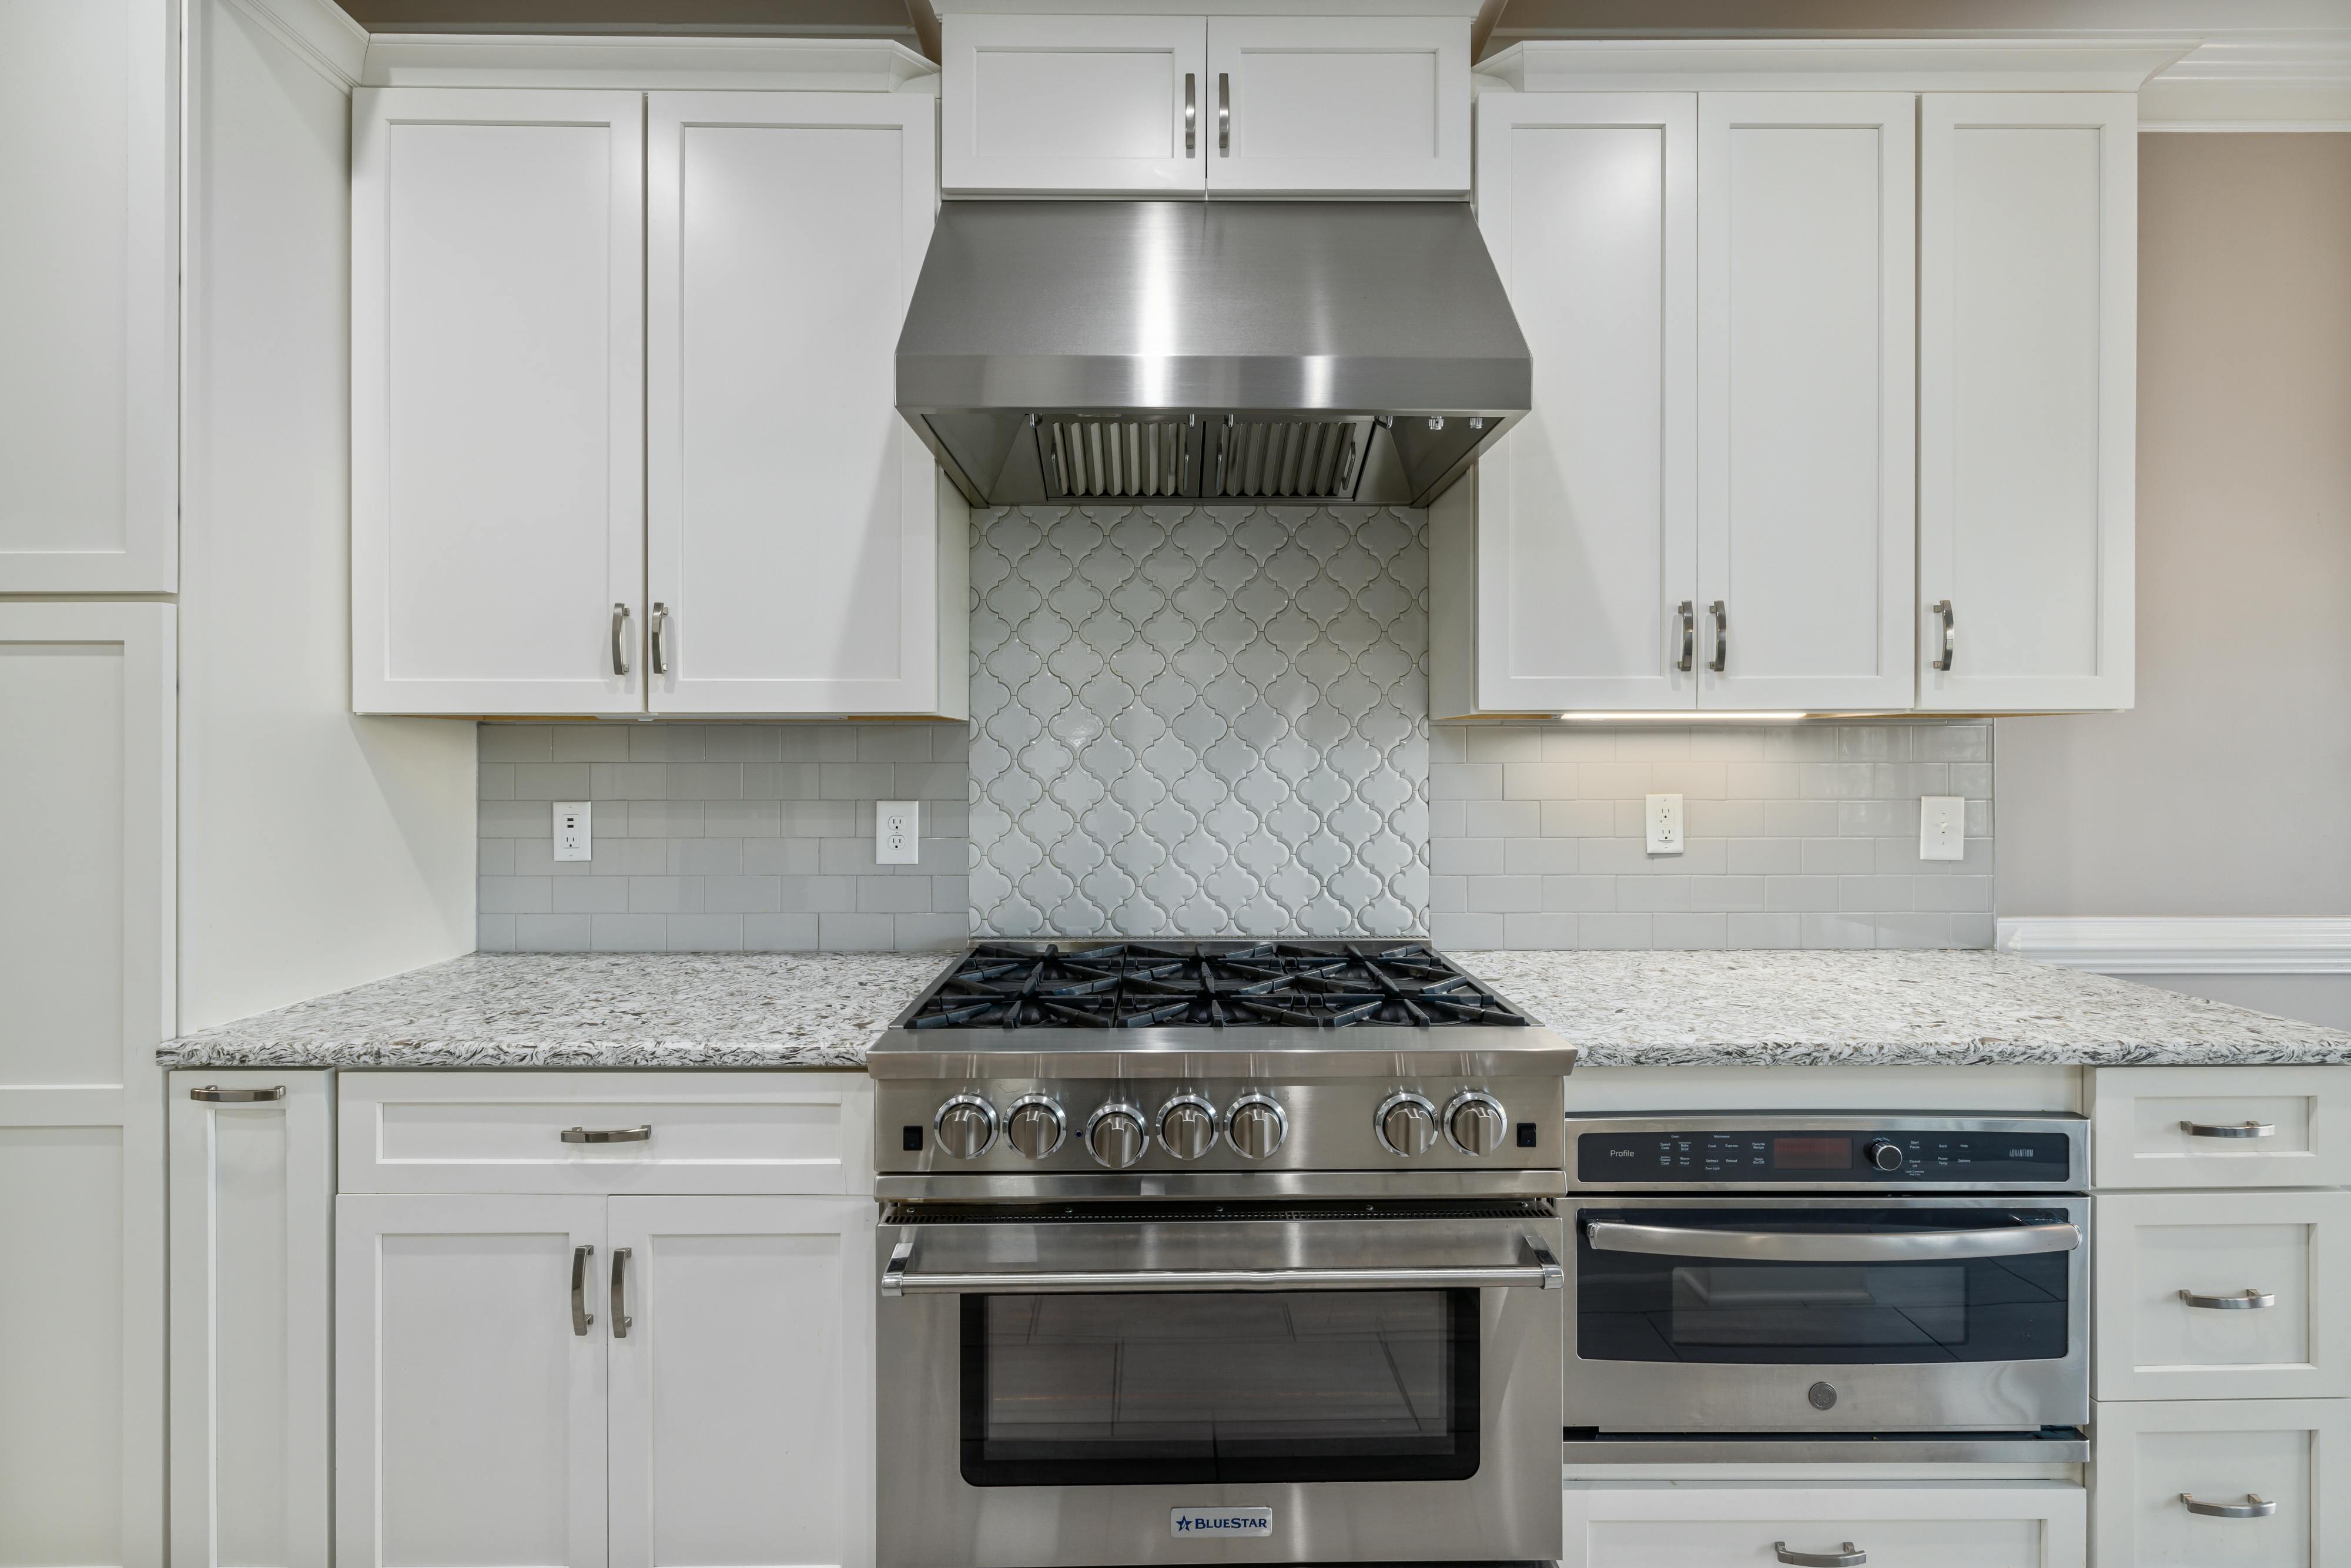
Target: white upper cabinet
801,551
1806,353
1580,548
1078,105
1300,106
88,296
1187,106
2027,314
497,401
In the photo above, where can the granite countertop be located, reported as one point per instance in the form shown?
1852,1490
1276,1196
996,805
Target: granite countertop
613,1009
1890,1008
1619,1010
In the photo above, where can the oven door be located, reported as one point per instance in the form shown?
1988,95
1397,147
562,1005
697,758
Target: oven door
1304,1384
1795,1315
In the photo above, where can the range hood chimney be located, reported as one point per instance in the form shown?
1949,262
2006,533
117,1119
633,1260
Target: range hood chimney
1308,352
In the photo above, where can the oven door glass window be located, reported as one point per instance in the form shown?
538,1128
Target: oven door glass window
1632,1306
1149,1387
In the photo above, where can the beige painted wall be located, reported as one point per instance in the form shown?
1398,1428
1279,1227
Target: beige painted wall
2227,791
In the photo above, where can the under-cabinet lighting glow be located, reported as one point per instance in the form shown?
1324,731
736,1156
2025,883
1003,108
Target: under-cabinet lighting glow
1687,715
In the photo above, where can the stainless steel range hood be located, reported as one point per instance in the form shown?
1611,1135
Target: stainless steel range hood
1358,352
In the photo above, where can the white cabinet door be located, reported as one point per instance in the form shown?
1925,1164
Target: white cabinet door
742,1381
1586,533
2153,1457
253,1183
1301,105
497,316
797,543
2028,224
469,1381
89,296
1099,105
1806,299
1915,1524
2238,1295
86,995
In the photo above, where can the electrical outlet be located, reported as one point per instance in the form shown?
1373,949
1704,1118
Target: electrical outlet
1664,820
897,831
571,841
1942,827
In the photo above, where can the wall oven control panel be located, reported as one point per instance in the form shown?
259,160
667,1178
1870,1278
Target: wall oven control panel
2043,1153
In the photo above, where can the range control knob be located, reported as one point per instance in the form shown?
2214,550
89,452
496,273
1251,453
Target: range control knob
1255,1127
1474,1123
1885,1155
1114,1136
1035,1126
1187,1126
1406,1123
965,1125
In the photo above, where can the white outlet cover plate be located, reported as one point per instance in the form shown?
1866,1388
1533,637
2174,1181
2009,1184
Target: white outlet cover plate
1942,827
572,839
898,831
1667,831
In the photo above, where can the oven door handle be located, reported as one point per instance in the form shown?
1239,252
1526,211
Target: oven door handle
1813,1247
1542,1270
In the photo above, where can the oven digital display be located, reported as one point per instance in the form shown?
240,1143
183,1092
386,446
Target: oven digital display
1809,1154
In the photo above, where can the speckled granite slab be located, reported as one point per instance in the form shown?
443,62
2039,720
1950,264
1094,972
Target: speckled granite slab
621,1009
1889,1008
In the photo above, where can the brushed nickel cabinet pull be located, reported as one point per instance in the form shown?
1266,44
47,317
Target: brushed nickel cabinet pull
620,630
620,1318
2251,1508
1224,114
212,1095
1688,610
1191,113
1721,613
660,626
1951,635
1850,1557
636,1135
583,1319
2242,1130
2247,1302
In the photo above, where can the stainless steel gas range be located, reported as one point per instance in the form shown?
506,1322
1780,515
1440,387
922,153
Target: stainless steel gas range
1217,1252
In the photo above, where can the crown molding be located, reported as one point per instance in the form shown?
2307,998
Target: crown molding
2254,84
2181,945
318,33
640,61
1833,64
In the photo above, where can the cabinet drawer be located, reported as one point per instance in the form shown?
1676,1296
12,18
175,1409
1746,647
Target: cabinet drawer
682,1132
2288,1452
2143,1117
1916,1524
2286,1341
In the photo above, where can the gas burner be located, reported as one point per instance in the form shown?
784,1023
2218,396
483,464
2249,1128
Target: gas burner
1143,984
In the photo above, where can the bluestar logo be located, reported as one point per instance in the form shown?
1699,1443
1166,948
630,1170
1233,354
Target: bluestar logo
1221,1522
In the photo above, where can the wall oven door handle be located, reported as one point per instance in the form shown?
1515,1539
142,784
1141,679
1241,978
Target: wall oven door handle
1815,1246
1542,1270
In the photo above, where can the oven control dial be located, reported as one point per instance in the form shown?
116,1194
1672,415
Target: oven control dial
1884,1155
965,1125
1255,1127
1474,1123
1406,1123
1114,1136
1035,1126
1187,1126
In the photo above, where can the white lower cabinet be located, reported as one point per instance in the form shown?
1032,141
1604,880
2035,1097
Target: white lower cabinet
252,1201
2279,1465
534,1379
1906,1524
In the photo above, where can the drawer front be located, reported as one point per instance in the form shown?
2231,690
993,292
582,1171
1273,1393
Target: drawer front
631,1133
2295,1453
2143,1118
1674,1525
2223,1295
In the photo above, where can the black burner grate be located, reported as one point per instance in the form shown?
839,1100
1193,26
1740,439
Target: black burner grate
1142,984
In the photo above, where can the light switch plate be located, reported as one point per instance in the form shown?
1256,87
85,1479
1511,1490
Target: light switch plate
898,831
1665,823
571,834
1942,827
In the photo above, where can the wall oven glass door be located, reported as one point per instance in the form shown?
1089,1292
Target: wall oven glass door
1753,1284
1211,1386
